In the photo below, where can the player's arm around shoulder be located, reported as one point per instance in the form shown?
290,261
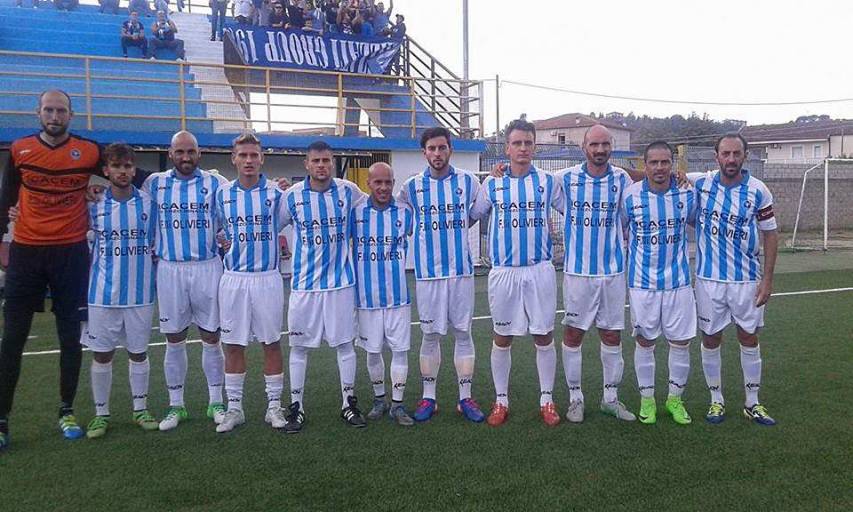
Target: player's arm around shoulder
482,203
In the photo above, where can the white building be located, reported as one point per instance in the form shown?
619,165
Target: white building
570,129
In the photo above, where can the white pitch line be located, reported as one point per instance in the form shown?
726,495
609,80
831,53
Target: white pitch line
486,317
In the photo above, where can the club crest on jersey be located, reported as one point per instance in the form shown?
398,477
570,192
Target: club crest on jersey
268,202
680,205
204,190
399,223
458,191
541,189
341,203
747,204
614,188
144,216
75,154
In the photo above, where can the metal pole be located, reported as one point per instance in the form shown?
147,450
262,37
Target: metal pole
269,102
182,94
497,105
88,94
825,204
465,40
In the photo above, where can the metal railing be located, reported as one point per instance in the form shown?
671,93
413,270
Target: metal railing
247,97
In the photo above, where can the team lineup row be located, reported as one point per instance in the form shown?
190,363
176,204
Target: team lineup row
349,283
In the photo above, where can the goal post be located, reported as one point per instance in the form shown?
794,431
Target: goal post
827,166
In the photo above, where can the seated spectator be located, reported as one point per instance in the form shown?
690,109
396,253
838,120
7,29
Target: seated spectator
140,6
65,5
295,15
244,11
108,6
278,18
133,34
163,31
381,17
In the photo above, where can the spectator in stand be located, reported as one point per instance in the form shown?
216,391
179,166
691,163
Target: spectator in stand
344,20
309,27
296,15
357,22
108,6
163,31
381,17
318,18
162,5
398,31
180,5
330,11
244,11
65,5
278,18
140,6
217,18
133,34
262,12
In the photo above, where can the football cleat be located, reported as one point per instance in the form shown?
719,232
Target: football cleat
294,419
716,413
380,406
145,420
216,412
69,427
468,407
618,410
98,427
499,415
758,414
675,407
352,415
549,414
233,418
648,410
174,415
398,413
575,412
425,409
275,417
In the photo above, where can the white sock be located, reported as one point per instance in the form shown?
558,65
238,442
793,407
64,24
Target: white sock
274,384
546,366
463,359
376,371
750,362
572,365
430,359
501,364
213,363
84,332
644,367
234,390
679,368
711,365
399,375
175,368
298,363
346,370
102,383
612,365
139,373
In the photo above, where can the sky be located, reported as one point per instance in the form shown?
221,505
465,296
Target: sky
748,51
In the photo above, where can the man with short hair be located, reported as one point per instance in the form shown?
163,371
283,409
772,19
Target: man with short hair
278,18
522,282
442,197
46,177
593,269
121,288
133,34
382,17
163,36
188,273
381,226
251,292
322,304
656,213
734,207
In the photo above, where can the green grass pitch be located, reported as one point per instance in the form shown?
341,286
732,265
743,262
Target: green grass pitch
804,463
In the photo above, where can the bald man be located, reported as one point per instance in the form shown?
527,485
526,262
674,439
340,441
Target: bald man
188,273
380,230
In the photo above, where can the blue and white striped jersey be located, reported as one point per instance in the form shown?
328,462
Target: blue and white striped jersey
657,235
380,242
252,219
442,208
592,228
187,226
122,270
321,237
519,231
727,225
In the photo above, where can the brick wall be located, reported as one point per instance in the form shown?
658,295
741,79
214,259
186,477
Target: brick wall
785,182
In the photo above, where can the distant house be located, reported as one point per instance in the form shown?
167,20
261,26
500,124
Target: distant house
570,129
808,138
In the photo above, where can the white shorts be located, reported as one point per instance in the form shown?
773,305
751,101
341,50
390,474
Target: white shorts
110,328
718,303
393,326
668,312
445,301
598,300
523,299
324,315
252,306
187,294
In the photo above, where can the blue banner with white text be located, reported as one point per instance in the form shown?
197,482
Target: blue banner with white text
295,48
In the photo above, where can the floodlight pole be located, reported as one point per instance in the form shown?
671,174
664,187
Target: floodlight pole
465,40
